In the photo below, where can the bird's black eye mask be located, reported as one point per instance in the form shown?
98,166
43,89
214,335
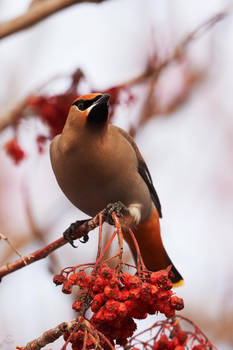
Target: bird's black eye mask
84,104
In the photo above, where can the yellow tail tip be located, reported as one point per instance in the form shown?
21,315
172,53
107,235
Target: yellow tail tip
178,284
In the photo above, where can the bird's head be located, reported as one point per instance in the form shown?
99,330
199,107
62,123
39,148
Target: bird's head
92,109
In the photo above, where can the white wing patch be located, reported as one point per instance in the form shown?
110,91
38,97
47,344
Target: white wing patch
135,212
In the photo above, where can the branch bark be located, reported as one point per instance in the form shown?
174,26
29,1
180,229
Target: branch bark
51,335
36,14
42,253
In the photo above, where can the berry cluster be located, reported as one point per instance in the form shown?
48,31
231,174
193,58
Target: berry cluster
52,110
169,334
118,298
178,342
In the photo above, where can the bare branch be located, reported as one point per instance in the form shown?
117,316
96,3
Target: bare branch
51,335
36,14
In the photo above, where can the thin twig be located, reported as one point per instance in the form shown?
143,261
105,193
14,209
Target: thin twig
85,340
36,14
99,236
13,248
120,238
140,263
106,248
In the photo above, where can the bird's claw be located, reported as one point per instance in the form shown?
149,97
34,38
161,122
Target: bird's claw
118,208
85,238
71,230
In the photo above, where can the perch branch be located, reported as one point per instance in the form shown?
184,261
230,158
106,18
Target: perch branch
36,14
42,253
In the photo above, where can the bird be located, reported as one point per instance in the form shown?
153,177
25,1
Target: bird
97,163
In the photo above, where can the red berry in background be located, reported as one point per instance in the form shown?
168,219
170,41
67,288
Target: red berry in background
41,140
14,151
52,110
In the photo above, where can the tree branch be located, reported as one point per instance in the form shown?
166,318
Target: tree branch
51,335
80,231
36,14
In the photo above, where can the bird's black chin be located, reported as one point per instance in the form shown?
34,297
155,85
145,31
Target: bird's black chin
99,112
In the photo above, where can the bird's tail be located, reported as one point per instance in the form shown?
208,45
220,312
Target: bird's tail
151,247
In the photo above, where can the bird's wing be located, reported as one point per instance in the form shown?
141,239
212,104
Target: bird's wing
143,171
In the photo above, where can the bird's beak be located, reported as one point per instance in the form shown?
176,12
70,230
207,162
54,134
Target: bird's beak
98,112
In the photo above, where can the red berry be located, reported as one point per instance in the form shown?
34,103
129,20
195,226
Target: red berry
77,305
177,303
123,295
162,343
14,151
112,305
99,285
122,310
159,277
73,278
97,302
67,287
153,290
135,293
81,279
106,272
182,337
58,279
111,292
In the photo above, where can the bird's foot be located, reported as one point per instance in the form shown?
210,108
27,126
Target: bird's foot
71,230
118,208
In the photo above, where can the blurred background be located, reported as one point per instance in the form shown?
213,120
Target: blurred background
181,115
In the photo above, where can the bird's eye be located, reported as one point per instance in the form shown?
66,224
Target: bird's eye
81,106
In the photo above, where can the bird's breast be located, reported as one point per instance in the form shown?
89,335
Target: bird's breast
94,174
